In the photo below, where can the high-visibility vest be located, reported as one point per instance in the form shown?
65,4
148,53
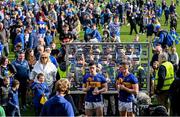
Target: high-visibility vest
139,68
169,76
61,73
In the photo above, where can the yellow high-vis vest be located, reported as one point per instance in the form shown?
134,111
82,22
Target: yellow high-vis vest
169,76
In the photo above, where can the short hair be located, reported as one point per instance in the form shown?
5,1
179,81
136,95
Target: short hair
125,64
62,85
65,26
47,48
5,79
15,83
116,16
18,45
158,48
21,52
91,63
18,29
39,47
40,75
163,56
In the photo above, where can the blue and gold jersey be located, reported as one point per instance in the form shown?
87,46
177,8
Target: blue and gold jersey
93,82
127,81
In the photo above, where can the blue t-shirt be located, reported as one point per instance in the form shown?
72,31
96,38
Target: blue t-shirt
57,106
127,81
114,29
42,27
93,81
13,98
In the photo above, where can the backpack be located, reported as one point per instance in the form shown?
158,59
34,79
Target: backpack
168,39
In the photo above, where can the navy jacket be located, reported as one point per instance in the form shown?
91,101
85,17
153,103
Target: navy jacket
19,39
23,70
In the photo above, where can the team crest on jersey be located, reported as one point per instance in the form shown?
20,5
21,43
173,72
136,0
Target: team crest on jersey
90,79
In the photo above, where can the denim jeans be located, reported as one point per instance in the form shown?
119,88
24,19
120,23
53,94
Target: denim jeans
14,112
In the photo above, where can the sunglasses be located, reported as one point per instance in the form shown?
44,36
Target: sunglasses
44,57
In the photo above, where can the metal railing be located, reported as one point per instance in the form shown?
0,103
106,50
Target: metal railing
77,48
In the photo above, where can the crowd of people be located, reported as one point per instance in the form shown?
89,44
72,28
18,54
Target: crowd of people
39,67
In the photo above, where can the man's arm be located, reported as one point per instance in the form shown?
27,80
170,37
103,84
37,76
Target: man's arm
134,90
85,88
104,88
161,77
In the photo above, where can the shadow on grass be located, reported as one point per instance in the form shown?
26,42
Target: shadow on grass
28,112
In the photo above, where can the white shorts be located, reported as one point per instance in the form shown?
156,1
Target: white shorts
94,40
125,106
93,105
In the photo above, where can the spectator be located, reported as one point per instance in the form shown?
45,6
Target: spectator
40,15
52,58
33,39
163,38
40,89
30,57
132,21
153,74
38,51
114,29
106,35
166,13
173,21
96,36
58,105
139,73
174,58
4,91
26,38
47,68
174,35
164,79
19,38
141,23
4,39
48,38
17,49
42,28
172,7
107,16
22,76
7,70
13,103
66,35
149,31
